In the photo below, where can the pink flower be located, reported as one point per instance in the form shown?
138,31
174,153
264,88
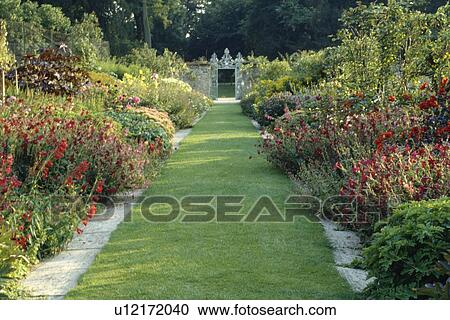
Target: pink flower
136,100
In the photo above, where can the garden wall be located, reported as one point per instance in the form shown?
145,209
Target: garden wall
199,77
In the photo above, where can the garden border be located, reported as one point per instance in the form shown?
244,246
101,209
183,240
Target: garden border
53,278
346,246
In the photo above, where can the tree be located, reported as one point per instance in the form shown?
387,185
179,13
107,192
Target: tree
219,27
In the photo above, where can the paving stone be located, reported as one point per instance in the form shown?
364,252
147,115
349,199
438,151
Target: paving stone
89,241
356,278
179,137
346,248
127,196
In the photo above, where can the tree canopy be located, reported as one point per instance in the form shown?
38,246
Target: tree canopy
195,28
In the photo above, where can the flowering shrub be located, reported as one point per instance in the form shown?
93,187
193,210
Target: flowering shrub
248,105
182,104
52,168
396,176
306,136
162,119
141,125
382,156
269,110
128,102
40,140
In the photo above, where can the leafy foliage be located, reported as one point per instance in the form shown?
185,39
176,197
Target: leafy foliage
166,65
86,40
52,71
388,48
149,125
403,253
274,107
439,290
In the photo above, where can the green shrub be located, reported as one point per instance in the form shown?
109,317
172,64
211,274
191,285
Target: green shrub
183,104
438,290
118,69
248,105
169,64
404,252
288,84
388,47
274,107
142,126
308,67
199,102
265,89
86,40
264,69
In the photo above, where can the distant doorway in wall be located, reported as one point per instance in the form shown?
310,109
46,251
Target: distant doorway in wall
227,83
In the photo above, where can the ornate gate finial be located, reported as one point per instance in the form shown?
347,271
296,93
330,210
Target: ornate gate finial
227,60
239,59
214,59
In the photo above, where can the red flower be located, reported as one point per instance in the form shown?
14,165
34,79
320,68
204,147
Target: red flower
100,186
338,166
407,97
92,211
81,170
428,104
69,181
382,137
391,98
79,231
61,149
424,86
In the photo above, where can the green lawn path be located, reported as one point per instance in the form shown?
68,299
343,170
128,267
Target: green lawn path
216,260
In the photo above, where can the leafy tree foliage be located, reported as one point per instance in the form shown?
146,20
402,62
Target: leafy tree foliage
195,28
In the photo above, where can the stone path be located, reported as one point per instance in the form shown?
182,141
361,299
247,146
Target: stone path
346,248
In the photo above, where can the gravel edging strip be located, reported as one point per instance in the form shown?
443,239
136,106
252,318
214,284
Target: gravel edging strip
53,278
346,247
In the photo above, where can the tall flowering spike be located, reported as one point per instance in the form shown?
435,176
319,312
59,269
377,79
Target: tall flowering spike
6,59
